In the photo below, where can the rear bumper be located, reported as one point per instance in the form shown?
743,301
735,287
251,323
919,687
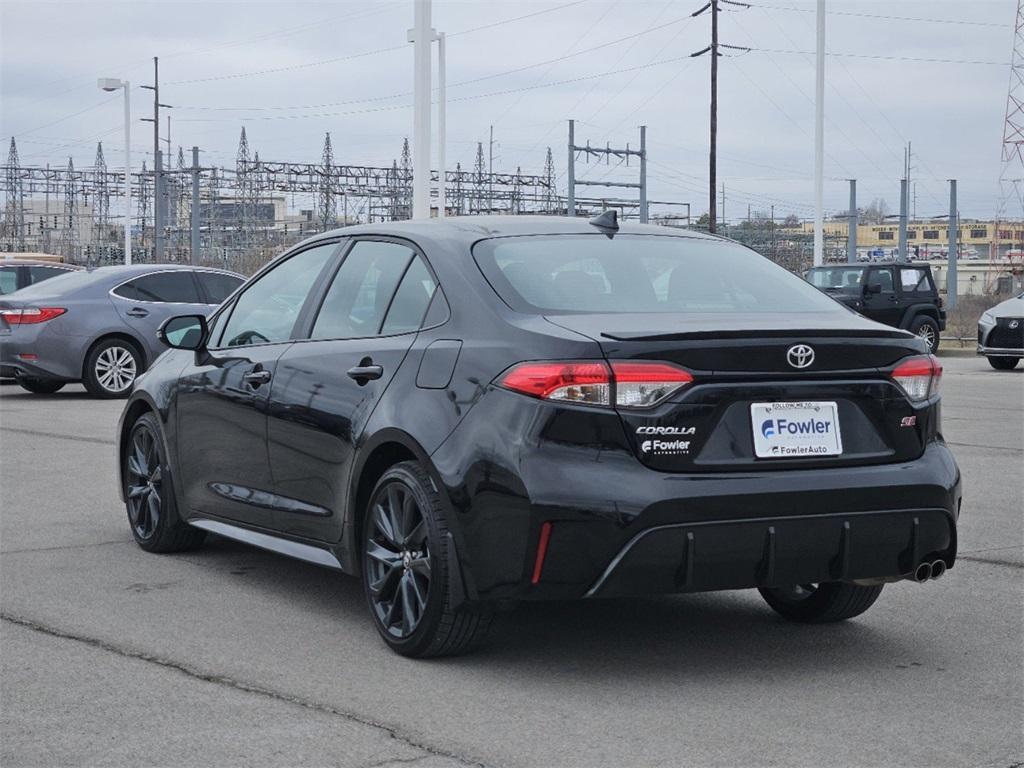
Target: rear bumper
53,355
778,551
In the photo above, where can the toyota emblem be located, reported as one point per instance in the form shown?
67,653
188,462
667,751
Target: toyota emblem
1014,323
800,356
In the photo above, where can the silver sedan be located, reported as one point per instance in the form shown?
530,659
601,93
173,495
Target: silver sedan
1001,333
99,326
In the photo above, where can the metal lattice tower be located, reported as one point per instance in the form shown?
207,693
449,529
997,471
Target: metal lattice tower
244,180
69,231
405,182
550,194
1012,170
14,215
479,185
326,202
101,203
142,204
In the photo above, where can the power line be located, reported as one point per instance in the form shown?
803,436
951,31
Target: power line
958,22
882,57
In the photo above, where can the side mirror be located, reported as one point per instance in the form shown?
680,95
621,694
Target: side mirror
873,288
184,332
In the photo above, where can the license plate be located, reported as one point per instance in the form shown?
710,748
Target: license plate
795,430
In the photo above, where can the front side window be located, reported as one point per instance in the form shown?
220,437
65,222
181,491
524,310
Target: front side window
176,287
837,278
267,310
640,273
883,277
361,292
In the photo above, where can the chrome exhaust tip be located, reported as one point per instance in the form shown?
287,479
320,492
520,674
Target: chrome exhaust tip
922,573
938,569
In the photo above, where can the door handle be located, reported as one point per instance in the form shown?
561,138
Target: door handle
364,373
257,377
137,312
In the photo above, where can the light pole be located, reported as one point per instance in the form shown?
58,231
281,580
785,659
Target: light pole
113,84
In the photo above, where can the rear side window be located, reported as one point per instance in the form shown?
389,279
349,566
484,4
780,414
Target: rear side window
411,300
176,287
38,274
361,292
8,280
640,273
915,281
217,286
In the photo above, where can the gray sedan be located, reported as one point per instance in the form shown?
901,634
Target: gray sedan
99,326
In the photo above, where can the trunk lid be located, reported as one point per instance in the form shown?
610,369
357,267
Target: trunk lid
741,361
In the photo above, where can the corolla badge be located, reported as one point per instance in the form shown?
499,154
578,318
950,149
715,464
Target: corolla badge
800,356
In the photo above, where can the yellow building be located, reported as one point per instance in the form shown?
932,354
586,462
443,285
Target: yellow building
984,236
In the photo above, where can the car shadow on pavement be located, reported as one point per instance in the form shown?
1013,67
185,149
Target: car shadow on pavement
720,634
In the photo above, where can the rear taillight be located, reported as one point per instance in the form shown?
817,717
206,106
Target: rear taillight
635,384
919,376
31,315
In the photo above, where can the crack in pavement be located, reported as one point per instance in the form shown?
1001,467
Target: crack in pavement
62,547
78,438
990,561
987,447
239,685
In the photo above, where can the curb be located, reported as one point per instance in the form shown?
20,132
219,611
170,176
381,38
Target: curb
957,352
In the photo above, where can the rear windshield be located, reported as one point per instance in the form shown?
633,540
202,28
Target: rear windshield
640,273
63,283
843,278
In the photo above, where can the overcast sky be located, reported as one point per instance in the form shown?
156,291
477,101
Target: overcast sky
291,71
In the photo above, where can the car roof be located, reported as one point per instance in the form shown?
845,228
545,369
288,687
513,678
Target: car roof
470,229
17,262
126,271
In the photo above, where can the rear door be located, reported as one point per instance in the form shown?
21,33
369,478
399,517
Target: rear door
328,385
883,306
217,286
222,397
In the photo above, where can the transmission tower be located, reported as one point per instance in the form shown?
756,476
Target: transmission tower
143,204
326,203
550,195
405,180
14,216
101,203
479,175
69,234
243,173
1012,170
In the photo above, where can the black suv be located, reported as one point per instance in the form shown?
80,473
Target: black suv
900,295
471,411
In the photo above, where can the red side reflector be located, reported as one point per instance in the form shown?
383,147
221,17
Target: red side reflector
27,356
542,551
31,315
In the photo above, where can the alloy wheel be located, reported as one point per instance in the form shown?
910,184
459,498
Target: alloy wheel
144,483
115,369
927,333
398,560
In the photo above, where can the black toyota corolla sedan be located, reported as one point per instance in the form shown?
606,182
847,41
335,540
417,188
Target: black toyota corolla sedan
475,411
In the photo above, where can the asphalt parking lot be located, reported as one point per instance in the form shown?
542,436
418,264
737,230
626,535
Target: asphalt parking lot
233,656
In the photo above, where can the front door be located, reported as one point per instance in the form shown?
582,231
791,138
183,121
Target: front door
222,398
328,385
146,301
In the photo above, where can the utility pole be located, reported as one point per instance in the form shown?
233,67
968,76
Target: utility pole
819,141
713,50
194,251
158,234
724,225
851,225
643,174
952,286
903,220
571,171
442,98
421,36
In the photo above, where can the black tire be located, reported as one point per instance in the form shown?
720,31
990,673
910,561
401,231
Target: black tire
40,386
821,603
404,556
111,368
928,330
1003,363
149,493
